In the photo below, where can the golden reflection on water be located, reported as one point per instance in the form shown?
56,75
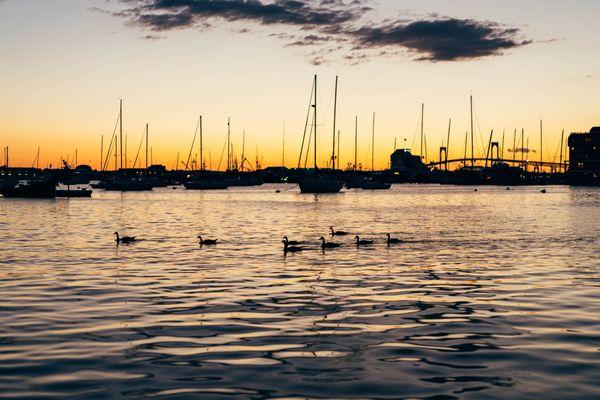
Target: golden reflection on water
494,294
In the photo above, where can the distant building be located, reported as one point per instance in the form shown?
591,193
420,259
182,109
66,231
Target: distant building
584,155
402,161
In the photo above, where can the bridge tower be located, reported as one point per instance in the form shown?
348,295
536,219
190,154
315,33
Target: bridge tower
444,158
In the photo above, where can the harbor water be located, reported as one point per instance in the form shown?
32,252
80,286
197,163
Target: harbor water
493,294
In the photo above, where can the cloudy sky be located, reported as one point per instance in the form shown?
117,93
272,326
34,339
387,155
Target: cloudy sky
66,63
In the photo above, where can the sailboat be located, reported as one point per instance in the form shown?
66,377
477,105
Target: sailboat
318,183
372,183
201,181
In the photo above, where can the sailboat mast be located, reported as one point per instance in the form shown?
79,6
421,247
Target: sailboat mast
422,118
541,145
228,143
523,145
466,145
562,138
283,146
472,135
334,120
315,122
146,146
355,142
125,149
201,156
448,141
101,152
121,131
243,149
515,145
373,145
338,150
116,147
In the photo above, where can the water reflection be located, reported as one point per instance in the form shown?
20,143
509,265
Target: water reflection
484,299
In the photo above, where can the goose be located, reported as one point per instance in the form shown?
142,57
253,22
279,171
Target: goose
208,242
543,191
360,242
391,240
291,242
337,233
328,245
124,239
290,249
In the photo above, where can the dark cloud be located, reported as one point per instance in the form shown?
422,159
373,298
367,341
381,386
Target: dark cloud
170,14
441,39
326,24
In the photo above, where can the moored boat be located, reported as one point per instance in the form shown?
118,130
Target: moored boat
32,190
375,185
318,182
320,185
79,192
206,185
126,185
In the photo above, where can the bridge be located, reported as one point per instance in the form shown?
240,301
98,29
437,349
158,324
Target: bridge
525,164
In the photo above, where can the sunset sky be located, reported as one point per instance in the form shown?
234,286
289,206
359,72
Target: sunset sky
66,63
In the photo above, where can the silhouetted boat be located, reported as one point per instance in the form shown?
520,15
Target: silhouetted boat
206,185
375,185
127,185
79,192
372,183
319,183
33,190
245,181
356,183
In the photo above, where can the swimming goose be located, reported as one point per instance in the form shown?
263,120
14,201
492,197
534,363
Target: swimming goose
328,245
337,233
291,242
290,249
391,240
124,239
208,242
363,241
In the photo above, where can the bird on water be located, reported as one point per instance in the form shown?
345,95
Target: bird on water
290,249
207,242
391,240
328,245
337,233
362,242
124,239
290,242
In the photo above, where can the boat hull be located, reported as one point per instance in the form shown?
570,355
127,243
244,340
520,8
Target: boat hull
73,193
128,186
376,185
206,185
36,190
320,185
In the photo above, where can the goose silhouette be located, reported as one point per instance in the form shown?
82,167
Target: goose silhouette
124,239
328,245
337,233
362,242
391,240
290,249
291,242
207,242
